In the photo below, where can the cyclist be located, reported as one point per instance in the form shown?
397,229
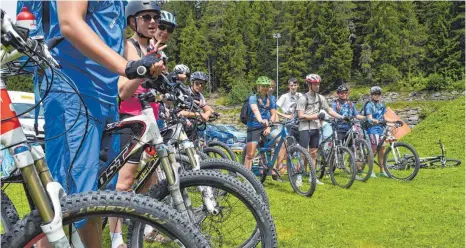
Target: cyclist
94,65
375,111
181,73
346,108
142,18
261,109
287,104
198,82
309,106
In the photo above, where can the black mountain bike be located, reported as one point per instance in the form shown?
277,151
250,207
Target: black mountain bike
439,161
338,161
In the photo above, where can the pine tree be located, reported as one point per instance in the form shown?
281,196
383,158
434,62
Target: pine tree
192,49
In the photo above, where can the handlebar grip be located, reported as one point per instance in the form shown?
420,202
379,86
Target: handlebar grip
141,70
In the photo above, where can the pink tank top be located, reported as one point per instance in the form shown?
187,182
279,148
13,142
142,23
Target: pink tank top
133,107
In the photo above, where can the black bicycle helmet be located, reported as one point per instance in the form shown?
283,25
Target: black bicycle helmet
342,88
134,7
199,75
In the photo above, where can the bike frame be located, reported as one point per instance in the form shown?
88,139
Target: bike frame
269,145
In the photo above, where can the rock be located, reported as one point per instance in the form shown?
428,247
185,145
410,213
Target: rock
413,118
454,92
412,112
436,94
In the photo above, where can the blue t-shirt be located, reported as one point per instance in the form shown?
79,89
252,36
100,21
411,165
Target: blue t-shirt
107,19
377,110
264,110
347,109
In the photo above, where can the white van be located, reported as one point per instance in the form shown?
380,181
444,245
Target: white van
22,101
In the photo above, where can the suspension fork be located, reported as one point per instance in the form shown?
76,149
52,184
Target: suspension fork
172,174
12,136
207,192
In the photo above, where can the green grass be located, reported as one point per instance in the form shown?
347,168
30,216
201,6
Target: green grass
427,212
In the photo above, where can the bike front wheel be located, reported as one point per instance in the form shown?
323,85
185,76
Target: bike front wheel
105,204
301,171
448,162
401,161
343,168
241,220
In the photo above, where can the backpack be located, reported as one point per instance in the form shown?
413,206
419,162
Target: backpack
319,101
245,112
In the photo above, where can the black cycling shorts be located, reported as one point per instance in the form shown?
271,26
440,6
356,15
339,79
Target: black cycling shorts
254,135
309,138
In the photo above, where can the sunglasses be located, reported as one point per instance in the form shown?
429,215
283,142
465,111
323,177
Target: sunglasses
343,93
376,94
199,83
148,18
169,29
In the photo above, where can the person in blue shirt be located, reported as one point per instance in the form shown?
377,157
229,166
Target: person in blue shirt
345,108
92,55
375,111
261,109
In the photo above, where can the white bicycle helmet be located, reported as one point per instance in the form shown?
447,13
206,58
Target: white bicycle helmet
180,69
167,17
313,78
376,90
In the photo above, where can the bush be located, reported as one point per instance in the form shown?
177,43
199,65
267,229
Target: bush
436,81
388,74
240,90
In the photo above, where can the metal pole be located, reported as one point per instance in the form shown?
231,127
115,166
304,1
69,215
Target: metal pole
277,36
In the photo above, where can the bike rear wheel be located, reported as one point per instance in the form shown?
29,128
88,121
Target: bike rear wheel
364,159
343,168
402,162
136,208
301,171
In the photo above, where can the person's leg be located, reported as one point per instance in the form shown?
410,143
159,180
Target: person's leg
314,138
250,152
252,139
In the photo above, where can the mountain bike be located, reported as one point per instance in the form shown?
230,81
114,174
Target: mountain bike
361,148
336,160
400,159
439,161
301,171
54,209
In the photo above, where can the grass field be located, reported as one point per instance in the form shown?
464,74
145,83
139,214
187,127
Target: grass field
426,212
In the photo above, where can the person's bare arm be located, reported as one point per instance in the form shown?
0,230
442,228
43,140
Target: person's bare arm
126,87
71,16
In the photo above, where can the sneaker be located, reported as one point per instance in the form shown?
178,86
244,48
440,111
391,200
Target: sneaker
299,181
383,174
276,178
319,182
373,175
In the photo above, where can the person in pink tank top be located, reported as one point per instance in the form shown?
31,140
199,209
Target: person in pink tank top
148,24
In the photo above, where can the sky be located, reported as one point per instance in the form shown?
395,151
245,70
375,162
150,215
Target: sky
9,6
